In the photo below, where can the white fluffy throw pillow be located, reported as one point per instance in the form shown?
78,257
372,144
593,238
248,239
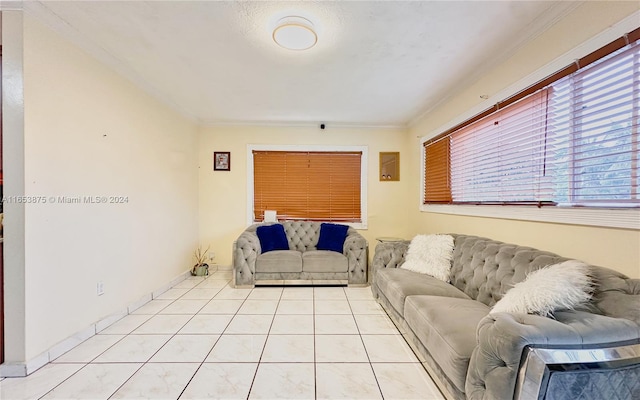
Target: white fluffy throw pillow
560,286
431,255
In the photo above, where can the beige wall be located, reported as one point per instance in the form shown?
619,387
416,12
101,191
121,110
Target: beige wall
614,248
223,195
89,132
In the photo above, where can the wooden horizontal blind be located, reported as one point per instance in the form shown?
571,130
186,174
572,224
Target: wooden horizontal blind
322,186
437,185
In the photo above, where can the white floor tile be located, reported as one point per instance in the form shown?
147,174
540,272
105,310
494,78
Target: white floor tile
95,381
133,348
284,381
157,381
224,275
229,293
258,307
126,325
265,293
206,324
340,348
405,381
288,348
195,278
213,284
238,348
200,294
359,293
266,333
89,349
375,325
222,307
153,307
172,294
329,293
335,325
184,307
295,307
186,284
37,384
297,293
249,325
185,348
221,381
160,324
366,307
388,348
332,307
346,381
292,324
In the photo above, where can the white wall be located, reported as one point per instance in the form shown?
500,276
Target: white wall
13,184
89,132
223,195
588,27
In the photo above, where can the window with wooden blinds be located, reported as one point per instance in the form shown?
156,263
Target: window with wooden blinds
572,139
321,186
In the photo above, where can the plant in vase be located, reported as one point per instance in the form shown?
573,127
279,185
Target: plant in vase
201,268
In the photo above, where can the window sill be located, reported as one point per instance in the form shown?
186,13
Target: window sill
609,218
361,226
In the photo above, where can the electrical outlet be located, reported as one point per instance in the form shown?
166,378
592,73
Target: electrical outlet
212,256
100,288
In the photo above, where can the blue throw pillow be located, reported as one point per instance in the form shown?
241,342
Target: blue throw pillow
272,237
332,237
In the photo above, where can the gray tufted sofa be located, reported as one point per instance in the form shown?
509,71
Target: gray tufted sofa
582,354
302,262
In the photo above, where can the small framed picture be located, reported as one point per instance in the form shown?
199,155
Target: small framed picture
221,161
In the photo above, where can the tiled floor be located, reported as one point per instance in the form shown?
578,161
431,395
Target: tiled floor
205,340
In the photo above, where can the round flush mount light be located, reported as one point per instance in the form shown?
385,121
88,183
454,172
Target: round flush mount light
295,33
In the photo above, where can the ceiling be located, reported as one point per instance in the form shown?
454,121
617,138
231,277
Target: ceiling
376,63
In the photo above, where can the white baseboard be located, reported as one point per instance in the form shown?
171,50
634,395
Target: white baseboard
16,370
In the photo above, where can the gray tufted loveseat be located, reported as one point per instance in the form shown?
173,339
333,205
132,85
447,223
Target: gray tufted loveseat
303,261
582,354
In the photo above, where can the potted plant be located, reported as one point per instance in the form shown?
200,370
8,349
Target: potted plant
201,268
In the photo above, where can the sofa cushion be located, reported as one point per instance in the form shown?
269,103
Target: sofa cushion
272,237
332,237
279,261
323,261
398,283
447,328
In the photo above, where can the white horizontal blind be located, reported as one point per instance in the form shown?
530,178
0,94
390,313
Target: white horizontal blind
594,120
501,158
575,142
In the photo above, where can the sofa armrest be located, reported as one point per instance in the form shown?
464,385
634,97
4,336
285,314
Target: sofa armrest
617,295
502,338
356,249
389,255
245,252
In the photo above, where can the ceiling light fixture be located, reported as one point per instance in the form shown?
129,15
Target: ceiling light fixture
295,33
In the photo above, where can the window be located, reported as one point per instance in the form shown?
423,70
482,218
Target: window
571,139
595,119
309,185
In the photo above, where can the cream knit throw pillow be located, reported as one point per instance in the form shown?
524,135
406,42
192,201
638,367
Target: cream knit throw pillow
431,255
